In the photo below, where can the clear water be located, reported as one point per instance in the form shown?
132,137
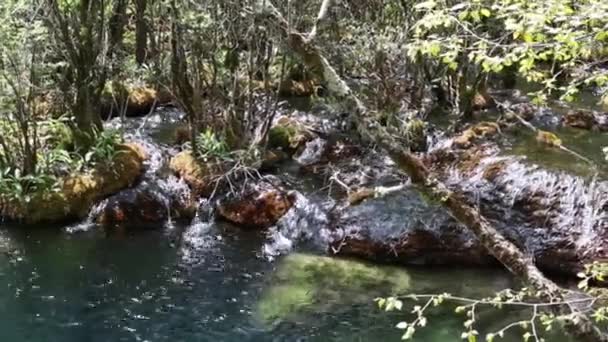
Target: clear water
201,284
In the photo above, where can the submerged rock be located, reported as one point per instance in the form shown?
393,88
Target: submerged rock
80,192
306,283
256,206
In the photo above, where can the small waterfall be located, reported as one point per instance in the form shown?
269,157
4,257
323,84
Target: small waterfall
539,208
89,222
199,234
164,193
306,220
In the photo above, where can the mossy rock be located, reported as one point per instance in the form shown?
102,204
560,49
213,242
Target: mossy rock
197,174
79,192
139,99
478,132
288,135
305,283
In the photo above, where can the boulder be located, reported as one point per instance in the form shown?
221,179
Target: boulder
402,229
256,206
78,193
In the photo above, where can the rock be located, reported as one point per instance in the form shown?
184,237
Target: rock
133,208
257,206
198,175
313,152
401,228
479,131
306,283
138,99
80,192
289,135
579,119
482,100
142,208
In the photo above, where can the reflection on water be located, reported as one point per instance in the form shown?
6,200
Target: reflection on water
202,284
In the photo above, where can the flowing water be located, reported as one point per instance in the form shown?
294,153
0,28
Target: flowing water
209,281
205,284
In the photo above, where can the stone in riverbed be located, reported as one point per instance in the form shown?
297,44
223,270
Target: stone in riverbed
257,206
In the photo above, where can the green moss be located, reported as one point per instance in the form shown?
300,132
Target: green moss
282,137
308,283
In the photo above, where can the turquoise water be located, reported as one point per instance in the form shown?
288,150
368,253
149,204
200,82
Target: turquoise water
202,284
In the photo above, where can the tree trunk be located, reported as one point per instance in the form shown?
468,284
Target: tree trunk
579,324
141,31
117,25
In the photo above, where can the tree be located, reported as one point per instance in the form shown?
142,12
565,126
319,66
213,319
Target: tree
79,30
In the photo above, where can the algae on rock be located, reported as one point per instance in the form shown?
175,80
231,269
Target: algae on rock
309,283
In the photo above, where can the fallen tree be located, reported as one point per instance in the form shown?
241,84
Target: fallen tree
578,322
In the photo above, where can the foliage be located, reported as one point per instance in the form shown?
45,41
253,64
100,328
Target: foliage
558,44
540,320
210,146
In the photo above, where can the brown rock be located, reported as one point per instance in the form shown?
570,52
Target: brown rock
579,119
479,131
258,206
482,100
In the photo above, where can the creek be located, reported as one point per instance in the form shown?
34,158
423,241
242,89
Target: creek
211,281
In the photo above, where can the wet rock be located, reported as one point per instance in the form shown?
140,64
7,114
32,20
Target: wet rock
147,205
289,135
401,228
133,208
256,206
479,131
579,119
79,192
199,175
